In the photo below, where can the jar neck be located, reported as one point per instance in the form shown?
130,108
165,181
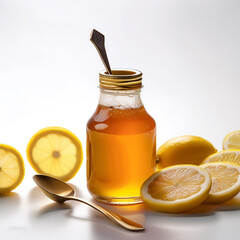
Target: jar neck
122,99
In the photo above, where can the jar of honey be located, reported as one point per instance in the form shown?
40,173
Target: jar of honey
121,140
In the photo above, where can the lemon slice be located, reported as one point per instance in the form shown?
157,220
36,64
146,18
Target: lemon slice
56,152
225,181
11,168
232,156
176,188
232,140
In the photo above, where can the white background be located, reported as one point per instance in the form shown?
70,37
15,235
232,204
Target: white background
189,53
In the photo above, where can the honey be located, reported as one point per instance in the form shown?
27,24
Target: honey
121,140
121,153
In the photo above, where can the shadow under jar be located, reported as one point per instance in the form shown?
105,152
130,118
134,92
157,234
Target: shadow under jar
121,140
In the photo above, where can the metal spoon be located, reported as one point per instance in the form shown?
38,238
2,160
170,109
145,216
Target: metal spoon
60,192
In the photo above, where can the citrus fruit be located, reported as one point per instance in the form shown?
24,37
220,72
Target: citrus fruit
184,150
11,168
177,188
225,181
232,140
56,152
232,156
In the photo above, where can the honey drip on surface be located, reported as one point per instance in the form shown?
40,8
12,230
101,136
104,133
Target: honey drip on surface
121,151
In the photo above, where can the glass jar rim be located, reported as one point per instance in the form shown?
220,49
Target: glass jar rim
121,79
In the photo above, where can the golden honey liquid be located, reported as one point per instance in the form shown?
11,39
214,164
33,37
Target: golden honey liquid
121,153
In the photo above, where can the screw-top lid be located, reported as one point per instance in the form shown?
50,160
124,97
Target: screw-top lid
121,79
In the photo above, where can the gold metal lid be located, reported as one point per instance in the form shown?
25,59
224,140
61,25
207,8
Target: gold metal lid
121,79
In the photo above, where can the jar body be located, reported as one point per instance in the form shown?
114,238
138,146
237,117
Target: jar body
121,147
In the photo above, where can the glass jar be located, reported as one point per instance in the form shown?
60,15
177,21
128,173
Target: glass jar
121,140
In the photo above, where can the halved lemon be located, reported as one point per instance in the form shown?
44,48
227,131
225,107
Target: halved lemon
55,151
184,150
232,140
11,168
225,181
232,156
177,188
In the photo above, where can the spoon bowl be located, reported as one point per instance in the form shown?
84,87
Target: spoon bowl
54,188
60,192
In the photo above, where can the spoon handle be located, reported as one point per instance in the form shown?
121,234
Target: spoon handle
98,41
120,220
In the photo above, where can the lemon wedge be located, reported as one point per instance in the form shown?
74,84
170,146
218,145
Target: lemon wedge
225,181
56,152
177,188
184,150
232,140
232,156
11,168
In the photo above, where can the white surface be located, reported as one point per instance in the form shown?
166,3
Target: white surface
189,53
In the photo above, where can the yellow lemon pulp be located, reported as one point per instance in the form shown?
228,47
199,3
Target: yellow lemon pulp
232,141
184,150
225,181
11,168
176,188
232,156
56,152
